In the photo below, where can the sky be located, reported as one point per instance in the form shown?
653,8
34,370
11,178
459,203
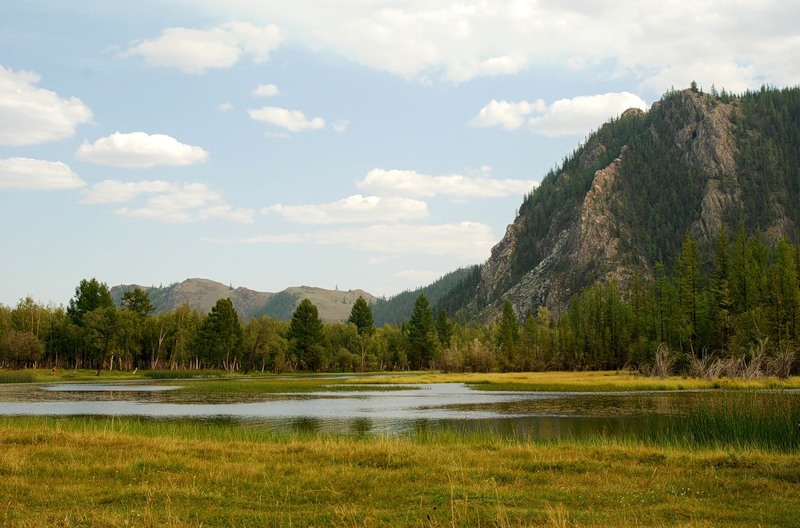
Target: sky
373,144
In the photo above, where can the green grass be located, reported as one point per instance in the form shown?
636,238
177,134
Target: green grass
133,472
766,420
183,374
17,377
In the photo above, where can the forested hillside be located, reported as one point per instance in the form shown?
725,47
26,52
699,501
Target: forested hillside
398,308
621,204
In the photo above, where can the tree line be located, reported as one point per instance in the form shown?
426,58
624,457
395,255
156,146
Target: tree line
742,306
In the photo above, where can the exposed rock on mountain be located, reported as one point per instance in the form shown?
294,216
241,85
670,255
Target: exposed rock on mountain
624,200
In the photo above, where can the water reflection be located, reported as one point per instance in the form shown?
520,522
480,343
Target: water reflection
452,407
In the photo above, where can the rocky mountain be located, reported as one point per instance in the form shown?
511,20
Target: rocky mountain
623,201
202,294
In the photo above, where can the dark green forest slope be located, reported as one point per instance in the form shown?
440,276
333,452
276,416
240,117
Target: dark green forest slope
622,202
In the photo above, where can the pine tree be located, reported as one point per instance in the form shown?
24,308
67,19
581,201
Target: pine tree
444,328
89,295
784,298
220,337
422,340
361,316
690,279
307,337
137,301
508,336
723,304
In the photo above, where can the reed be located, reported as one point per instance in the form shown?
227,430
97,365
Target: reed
766,420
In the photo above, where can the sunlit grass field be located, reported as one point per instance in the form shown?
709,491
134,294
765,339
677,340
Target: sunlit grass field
111,472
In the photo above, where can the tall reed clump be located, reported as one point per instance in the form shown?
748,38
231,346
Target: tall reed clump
767,420
17,377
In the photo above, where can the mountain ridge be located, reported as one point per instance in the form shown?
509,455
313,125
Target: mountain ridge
693,163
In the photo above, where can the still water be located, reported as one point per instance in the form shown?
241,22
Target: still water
449,406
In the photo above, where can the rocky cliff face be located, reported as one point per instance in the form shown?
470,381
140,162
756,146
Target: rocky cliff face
597,235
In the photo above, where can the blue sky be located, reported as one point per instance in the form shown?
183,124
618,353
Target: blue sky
333,143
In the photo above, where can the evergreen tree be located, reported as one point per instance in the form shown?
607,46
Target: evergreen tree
528,359
723,303
219,340
361,316
137,301
690,279
422,340
307,337
784,298
508,335
89,295
444,328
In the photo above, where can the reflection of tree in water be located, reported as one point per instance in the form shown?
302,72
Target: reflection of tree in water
361,426
306,424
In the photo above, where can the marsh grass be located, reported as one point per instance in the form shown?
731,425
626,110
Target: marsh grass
183,374
284,385
129,472
592,381
766,420
17,377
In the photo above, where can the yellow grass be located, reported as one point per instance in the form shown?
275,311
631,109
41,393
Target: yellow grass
584,381
80,472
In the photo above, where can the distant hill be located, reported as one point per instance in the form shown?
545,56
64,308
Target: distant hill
202,294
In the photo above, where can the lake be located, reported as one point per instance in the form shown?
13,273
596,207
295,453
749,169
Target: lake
362,411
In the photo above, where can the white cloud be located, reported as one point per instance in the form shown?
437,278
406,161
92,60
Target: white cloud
167,202
468,241
30,115
413,184
492,67
353,209
292,120
577,116
734,44
505,114
341,126
140,150
266,90
580,115
225,107
26,173
113,191
198,50
465,240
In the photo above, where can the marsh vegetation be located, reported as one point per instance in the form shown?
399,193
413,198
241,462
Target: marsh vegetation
725,456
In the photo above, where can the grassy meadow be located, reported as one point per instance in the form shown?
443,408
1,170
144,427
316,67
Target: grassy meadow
731,461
